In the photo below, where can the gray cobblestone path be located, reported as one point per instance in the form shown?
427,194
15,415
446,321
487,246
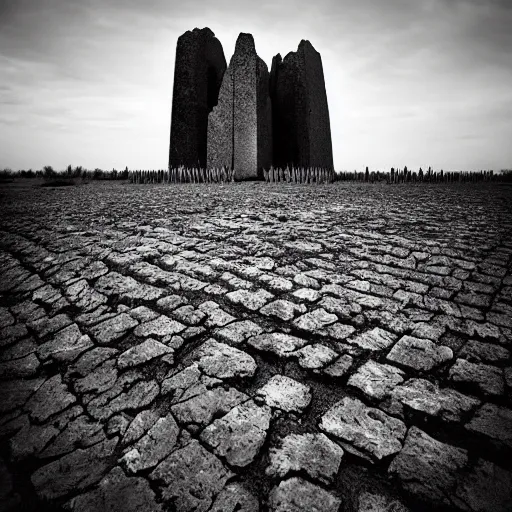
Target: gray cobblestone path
256,347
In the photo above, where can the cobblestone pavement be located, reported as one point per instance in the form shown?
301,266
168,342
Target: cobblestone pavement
256,347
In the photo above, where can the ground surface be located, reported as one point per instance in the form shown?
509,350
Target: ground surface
256,347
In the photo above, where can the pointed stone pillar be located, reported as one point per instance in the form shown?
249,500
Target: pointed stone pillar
198,72
240,126
301,125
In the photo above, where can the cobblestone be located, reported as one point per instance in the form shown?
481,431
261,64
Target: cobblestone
346,347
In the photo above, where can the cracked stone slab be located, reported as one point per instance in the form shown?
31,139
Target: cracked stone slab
205,404
102,378
223,361
339,331
139,395
487,379
297,495
171,302
143,314
6,318
251,300
315,357
494,422
284,393
189,315
159,327
52,397
419,353
422,395
75,471
238,332
370,502
235,498
282,309
363,430
316,321
116,492
240,434
114,283
79,432
216,316
15,393
314,454
139,426
428,468
279,343
24,347
142,353
276,283
11,334
477,351
27,366
84,297
307,294
113,329
92,359
191,478
179,384
374,339
65,346
340,367
153,447
31,438
376,380
45,326
486,487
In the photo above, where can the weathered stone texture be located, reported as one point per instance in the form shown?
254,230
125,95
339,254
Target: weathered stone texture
301,125
240,127
220,126
199,68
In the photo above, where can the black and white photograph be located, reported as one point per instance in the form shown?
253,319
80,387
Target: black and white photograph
255,256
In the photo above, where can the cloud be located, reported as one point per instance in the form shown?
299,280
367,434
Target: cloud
404,79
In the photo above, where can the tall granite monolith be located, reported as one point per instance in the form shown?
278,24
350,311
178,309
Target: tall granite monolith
301,126
240,126
199,68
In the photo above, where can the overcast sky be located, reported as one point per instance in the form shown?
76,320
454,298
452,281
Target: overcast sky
416,83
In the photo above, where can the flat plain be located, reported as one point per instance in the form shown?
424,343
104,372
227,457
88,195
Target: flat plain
256,346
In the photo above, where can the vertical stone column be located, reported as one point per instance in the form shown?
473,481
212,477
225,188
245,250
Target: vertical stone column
198,72
245,121
220,126
301,125
264,115
239,128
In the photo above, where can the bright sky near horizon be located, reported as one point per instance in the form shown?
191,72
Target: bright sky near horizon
416,83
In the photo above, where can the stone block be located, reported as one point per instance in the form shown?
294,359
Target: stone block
301,125
199,68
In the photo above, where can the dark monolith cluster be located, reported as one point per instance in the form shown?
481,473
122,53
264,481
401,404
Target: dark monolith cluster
248,120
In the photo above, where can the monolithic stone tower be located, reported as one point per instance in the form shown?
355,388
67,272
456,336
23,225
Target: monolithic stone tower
301,126
199,68
240,126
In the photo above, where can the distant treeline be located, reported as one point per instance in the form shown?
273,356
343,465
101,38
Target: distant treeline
288,175
429,176
78,172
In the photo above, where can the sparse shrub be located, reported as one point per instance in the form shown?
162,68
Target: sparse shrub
48,172
6,175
